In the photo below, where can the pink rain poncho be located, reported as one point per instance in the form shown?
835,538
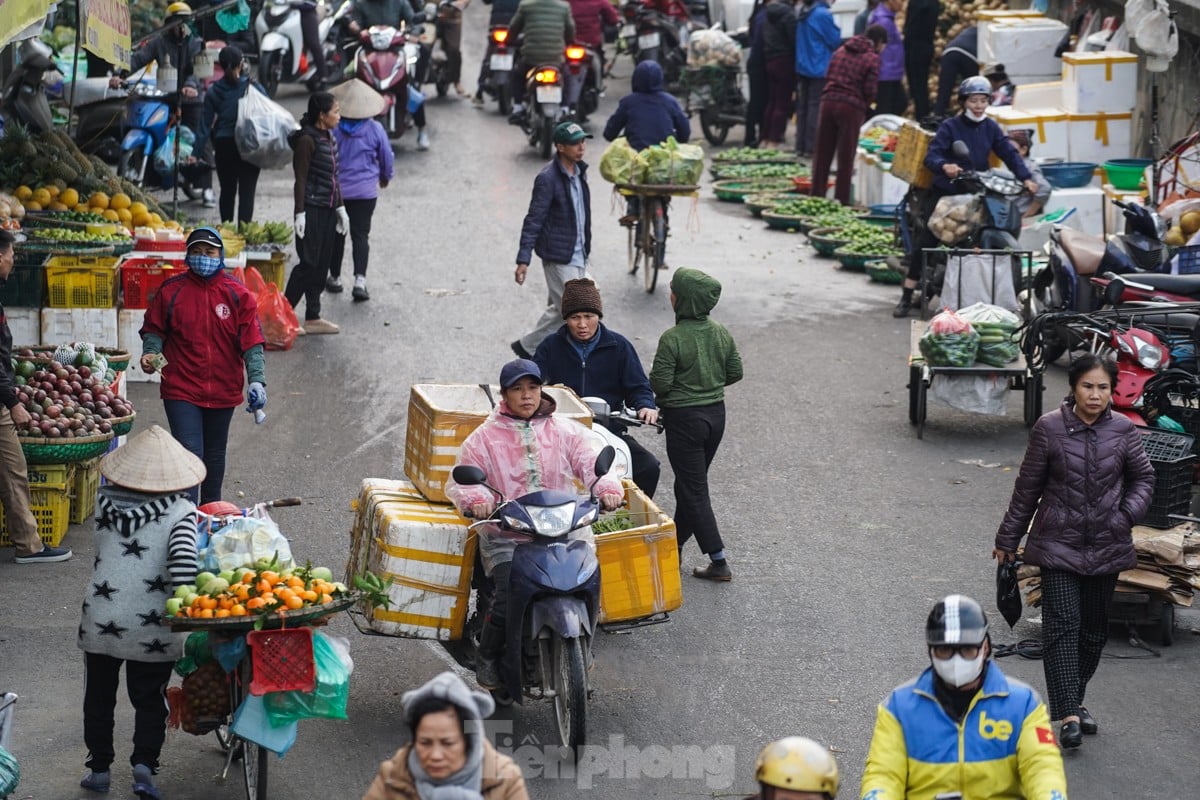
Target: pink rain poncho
521,456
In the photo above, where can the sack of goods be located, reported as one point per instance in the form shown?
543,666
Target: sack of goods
261,131
671,164
997,328
712,48
955,217
619,162
949,341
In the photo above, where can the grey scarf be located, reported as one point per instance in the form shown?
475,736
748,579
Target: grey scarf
466,784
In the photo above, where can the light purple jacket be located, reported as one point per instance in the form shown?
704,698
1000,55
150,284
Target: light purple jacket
364,159
891,60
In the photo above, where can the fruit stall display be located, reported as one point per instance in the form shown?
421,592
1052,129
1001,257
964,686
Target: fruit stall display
257,592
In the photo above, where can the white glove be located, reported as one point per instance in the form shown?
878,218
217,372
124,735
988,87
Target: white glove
343,223
300,219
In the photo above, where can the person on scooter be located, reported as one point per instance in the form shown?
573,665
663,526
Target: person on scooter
795,768
983,136
367,13
521,447
502,12
547,27
596,361
590,18
178,48
963,725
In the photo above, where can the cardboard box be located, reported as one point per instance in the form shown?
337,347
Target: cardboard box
639,567
129,322
1105,81
95,325
1099,137
1049,126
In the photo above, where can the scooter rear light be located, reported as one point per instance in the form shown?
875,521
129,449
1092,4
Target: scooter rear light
546,76
630,11
500,35
575,53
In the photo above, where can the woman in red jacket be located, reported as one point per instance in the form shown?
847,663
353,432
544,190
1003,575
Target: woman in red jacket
1084,483
201,330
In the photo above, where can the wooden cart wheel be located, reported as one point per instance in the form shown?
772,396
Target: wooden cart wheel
1033,398
914,400
1166,625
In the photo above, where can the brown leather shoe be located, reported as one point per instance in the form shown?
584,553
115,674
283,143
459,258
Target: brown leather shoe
714,572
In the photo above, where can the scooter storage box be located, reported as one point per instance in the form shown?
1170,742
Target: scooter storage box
639,567
1105,81
442,416
425,548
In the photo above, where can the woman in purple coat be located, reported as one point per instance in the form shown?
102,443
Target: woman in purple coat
365,164
890,97
1084,483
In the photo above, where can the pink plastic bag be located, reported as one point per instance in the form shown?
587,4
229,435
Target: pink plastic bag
949,322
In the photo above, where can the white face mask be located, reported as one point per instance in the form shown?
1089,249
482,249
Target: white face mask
971,115
958,671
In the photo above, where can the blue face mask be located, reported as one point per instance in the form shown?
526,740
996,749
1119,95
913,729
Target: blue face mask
204,266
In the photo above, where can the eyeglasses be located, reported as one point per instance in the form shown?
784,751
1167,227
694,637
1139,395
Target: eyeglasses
944,652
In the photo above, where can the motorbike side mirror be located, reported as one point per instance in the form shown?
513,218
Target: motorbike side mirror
960,149
604,461
598,406
468,475
1113,292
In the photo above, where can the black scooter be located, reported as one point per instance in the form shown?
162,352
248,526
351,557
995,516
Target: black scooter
24,95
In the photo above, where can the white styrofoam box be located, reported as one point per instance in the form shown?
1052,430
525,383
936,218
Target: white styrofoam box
844,12
26,326
1105,81
129,322
95,325
1023,46
1030,96
987,17
1114,218
1088,202
892,189
1099,137
1049,126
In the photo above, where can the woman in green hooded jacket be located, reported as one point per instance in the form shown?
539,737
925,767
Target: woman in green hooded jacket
694,363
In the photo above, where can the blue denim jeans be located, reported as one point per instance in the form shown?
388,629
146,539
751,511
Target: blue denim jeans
204,432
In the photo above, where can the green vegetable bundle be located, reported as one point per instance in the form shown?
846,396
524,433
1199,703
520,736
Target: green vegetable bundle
611,523
997,328
619,163
670,164
950,341
725,171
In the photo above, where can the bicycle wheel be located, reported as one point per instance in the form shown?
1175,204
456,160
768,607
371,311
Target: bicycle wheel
657,252
254,758
634,248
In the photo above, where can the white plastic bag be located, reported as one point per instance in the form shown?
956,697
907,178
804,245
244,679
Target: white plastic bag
979,394
244,541
980,278
262,129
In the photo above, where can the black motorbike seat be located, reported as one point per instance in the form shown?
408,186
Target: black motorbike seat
1175,284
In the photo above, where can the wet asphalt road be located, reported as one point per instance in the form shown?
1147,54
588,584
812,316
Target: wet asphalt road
842,529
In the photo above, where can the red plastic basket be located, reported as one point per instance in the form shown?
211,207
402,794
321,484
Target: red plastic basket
141,277
283,661
155,246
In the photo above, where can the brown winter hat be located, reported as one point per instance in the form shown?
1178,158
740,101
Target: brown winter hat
152,462
581,294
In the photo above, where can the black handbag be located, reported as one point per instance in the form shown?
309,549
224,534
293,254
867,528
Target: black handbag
1008,593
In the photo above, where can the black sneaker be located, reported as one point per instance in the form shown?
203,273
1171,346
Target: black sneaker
360,293
519,350
486,673
47,555
1070,735
1087,723
902,308
333,285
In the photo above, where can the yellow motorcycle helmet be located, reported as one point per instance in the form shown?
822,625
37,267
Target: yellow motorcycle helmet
178,9
797,764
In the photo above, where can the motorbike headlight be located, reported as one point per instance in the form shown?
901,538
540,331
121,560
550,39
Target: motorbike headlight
552,520
515,524
382,40
1149,355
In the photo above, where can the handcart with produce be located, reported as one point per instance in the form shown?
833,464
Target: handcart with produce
255,662
710,85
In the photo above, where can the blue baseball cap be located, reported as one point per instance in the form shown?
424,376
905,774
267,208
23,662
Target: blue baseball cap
516,369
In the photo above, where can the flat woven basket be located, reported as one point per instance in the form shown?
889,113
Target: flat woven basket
122,425
44,450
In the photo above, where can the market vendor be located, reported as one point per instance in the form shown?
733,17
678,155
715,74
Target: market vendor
983,136
521,447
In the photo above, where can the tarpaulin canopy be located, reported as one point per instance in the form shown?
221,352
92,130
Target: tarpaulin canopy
18,15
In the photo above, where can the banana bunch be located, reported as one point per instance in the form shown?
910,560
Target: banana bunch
375,591
278,232
260,233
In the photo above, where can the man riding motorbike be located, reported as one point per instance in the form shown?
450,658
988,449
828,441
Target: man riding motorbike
502,12
547,26
367,13
590,18
521,447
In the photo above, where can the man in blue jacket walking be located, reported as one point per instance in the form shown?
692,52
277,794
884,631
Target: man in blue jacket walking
597,362
817,37
558,228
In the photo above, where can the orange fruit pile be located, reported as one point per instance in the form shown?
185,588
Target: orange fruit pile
261,592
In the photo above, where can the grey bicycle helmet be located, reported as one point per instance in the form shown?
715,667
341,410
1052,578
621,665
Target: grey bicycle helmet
975,85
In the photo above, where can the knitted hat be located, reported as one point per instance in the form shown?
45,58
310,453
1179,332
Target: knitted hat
153,462
581,294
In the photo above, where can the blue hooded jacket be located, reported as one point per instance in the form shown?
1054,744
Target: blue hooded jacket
817,36
649,115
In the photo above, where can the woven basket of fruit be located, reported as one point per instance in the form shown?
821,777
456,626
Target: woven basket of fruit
880,272
724,171
754,155
826,240
857,262
787,222
122,425
50,450
758,203
735,191
117,358
266,621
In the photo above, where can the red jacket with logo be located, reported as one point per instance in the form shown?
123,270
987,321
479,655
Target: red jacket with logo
206,325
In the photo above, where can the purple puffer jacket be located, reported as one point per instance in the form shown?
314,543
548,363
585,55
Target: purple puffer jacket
891,60
1093,483
364,158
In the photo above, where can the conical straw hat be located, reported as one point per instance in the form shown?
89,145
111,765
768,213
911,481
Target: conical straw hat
153,461
358,101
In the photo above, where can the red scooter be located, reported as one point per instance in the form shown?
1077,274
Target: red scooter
385,62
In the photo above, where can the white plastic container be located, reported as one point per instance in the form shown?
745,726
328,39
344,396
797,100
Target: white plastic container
1049,126
1030,96
1023,46
1088,202
26,326
986,18
95,325
129,322
844,12
1099,137
1105,81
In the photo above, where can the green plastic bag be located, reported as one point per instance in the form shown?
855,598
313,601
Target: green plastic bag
619,164
671,164
235,19
329,699
10,773
196,653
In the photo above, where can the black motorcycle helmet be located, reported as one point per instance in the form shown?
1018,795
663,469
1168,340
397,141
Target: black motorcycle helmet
956,619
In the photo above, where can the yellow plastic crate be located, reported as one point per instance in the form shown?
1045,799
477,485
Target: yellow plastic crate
909,163
50,476
84,484
272,269
81,282
639,567
51,508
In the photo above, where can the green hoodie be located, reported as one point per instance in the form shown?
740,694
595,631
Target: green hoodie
697,358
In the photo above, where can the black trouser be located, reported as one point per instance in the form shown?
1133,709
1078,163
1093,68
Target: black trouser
310,31
808,109
916,69
146,683
645,466
1074,632
451,35
693,435
491,638
238,178
316,251
757,103
954,67
360,212
890,98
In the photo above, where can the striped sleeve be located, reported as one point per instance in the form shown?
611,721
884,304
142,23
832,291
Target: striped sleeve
181,548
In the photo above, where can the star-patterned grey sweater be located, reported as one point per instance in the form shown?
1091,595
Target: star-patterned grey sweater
145,548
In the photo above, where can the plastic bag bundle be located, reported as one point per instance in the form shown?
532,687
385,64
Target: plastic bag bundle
955,217
997,327
949,341
164,156
244,541
671,164
713,48
262,129
619,162
196,653
329,699
10,773
234,19
1008,593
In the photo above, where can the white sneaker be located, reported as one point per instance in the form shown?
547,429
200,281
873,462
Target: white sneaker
210,199
422,139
